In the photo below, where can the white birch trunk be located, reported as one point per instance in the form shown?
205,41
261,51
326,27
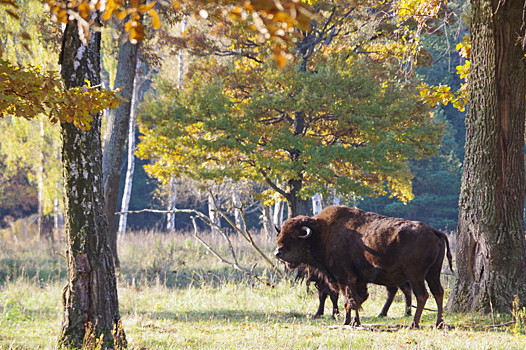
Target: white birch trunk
181,58
316,204
172,200
41,182
131,163
267,221
336,199
236,203
170,217
278,214
214,216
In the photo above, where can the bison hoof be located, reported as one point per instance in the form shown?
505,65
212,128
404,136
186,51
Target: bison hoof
382,315
315,317
441,325
414,325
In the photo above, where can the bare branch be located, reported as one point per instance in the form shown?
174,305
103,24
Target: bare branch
235,265
207,220
272,184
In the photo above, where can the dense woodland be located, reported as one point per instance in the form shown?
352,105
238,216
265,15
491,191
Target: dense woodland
246,113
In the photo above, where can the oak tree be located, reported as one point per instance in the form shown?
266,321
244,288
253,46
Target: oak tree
491,252
337,121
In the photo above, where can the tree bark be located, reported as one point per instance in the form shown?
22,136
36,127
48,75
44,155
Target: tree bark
490,245
128,183
91,305
278,214
115,139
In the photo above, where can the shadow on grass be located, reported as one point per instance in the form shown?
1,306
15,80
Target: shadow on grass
242,316
237,316
372,323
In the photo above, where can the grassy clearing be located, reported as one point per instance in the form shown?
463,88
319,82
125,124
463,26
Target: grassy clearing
175,295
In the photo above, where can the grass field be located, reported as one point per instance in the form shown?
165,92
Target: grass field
175,295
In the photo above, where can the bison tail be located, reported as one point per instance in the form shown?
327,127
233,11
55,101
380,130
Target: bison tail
448,251
449,256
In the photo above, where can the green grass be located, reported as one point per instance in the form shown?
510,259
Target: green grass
175,295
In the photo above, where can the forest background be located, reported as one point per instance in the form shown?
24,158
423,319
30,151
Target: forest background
31,182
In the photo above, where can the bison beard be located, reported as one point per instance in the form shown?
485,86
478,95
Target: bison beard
352,248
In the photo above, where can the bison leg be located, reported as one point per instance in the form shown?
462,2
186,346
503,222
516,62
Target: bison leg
355,321
334,299
391,292
321,308
433,281
421,294
354,297
406,289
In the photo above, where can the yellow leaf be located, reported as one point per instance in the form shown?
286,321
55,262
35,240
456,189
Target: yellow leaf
147,7
156,21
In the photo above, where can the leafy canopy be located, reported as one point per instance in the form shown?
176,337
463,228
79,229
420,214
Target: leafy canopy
28,90
349,126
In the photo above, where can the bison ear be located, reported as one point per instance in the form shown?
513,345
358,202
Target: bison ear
308,232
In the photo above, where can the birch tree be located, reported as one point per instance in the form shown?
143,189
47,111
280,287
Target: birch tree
128,183
90,297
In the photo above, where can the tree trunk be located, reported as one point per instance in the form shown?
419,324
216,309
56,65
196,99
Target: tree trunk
126,195
490,245
172,200
278,214
236,205
267,222
90,298
115,139
213,205
40,176
336,199
295,204
316,204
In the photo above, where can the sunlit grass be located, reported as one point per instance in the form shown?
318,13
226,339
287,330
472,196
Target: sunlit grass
174,295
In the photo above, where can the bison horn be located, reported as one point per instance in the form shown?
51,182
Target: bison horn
308,232
277,229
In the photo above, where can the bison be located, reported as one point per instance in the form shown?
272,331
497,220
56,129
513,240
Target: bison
353,248
310,275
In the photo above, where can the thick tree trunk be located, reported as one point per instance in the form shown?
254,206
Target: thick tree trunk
115,139
490,245
90,297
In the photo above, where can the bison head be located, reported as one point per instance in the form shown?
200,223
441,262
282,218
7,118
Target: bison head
294,241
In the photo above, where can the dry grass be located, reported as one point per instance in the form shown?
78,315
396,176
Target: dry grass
176,295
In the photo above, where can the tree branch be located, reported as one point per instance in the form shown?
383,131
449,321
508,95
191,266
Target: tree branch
207,221
272,184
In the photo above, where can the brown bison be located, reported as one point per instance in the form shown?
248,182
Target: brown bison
353,248
310,275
